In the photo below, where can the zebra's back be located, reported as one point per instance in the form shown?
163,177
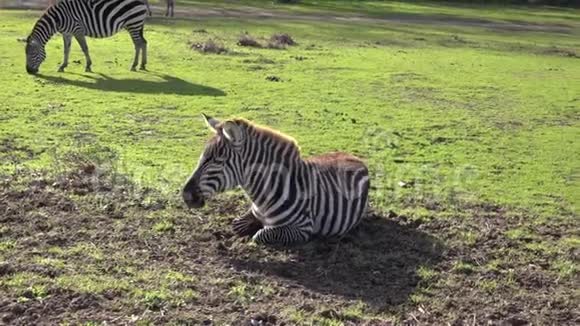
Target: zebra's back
340,185
104,18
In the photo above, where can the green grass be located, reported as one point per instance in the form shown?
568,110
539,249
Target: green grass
471,131
460,112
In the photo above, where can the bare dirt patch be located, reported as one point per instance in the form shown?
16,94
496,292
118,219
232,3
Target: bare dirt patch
209,46
249,41
280,41
86,244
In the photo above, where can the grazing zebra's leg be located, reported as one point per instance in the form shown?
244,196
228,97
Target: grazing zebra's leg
83,43
140,45
67,42
283,235
246,225
143,50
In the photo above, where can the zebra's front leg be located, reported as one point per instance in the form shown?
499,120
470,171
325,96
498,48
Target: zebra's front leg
143,52
83,43
283,235
246,225
136,59
67,38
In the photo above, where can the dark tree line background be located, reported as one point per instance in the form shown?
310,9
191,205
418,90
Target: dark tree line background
560,3
563,3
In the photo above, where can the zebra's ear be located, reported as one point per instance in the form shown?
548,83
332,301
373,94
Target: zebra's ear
211,122
233,132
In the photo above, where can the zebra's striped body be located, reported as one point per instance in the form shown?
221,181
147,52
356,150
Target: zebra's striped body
92,18
292,199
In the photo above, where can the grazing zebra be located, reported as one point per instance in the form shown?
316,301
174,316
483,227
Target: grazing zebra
93,18
293,199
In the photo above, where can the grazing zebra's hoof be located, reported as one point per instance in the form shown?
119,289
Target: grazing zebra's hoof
143,68
133,69
246,226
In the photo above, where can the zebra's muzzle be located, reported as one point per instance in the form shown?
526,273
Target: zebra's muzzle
193,200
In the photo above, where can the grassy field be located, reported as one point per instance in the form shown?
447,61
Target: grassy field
468,117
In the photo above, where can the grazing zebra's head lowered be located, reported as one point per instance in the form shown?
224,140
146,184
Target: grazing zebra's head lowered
35,55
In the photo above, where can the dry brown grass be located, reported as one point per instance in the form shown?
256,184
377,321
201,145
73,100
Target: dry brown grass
209,46
247,40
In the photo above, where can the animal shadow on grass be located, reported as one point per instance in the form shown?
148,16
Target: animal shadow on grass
377,263
168,85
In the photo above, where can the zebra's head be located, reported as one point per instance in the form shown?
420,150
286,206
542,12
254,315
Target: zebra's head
35,55
216,169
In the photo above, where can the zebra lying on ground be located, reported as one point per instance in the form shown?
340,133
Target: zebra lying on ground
293,199
93,18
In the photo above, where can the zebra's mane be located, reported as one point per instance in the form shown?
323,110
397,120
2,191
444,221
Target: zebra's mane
268,132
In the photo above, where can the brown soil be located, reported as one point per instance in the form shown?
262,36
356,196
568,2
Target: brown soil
379,264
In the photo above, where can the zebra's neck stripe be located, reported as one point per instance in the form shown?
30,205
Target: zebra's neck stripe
45,28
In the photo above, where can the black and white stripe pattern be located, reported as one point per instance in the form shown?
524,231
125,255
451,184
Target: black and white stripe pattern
292,199
92,18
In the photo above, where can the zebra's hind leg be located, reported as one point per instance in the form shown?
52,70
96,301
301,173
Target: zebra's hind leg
283,235
83,43
140,45
246,225
67,38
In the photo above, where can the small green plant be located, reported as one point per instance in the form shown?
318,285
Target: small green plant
463,267
328,322
519,234
7,245
38,292
470,238
487,285
53,262
87,249
163,226
417,298
155,300
239,292
565,268
426,274
355,312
